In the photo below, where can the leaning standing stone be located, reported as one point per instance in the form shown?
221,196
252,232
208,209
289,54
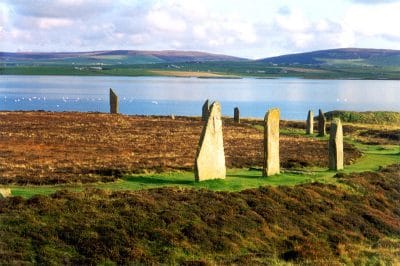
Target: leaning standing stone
271,143
210,158
113,102
205,112
310,123
321,124
336,145
236,115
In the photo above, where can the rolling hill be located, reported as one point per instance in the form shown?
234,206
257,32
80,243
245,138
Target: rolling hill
124,57
353,63
344,56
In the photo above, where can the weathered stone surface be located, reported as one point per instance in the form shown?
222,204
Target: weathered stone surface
5,192
236,115
321,124
336,145
310,123
210,158
271,143
113,102
205,112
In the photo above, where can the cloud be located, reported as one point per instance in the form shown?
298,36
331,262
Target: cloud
373,2
119,24
299,33
205,25
61,8
375,21
284,10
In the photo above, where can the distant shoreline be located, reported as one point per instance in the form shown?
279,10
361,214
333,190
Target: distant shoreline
194,75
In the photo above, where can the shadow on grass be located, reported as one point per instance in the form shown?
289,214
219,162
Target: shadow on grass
157,181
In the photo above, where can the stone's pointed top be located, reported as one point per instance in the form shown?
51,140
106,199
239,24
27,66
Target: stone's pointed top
112,92
337,121
210,158
5,192
320,112
215,105
272,113
205,111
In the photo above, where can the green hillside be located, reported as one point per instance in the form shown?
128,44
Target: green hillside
327,64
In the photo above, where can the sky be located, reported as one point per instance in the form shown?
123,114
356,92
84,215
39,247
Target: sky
244,28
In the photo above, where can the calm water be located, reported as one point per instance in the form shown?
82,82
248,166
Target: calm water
185,96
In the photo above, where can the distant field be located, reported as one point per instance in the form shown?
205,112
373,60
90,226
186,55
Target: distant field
187,74
241,69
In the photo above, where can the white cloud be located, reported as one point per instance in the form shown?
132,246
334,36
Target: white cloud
205,25
163,20
293,21
49,23
61,8
373,2
379,21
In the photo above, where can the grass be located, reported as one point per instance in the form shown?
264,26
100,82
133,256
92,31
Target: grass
376,117
310,224
374,158
189,74
243,69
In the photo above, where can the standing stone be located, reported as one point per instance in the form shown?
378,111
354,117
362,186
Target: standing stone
321,124
5,192
205,111
336,145
310,123
271,143
210,158
236,115
113,102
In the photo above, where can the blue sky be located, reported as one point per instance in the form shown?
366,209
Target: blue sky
246,28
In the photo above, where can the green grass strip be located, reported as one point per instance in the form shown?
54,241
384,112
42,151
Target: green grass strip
374,157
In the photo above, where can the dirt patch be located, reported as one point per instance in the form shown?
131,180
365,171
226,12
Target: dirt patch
48,148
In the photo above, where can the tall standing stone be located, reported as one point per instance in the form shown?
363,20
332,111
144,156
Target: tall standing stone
205,111
236,115
113,102
336,145
210,158
310,123
321,124
271,143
